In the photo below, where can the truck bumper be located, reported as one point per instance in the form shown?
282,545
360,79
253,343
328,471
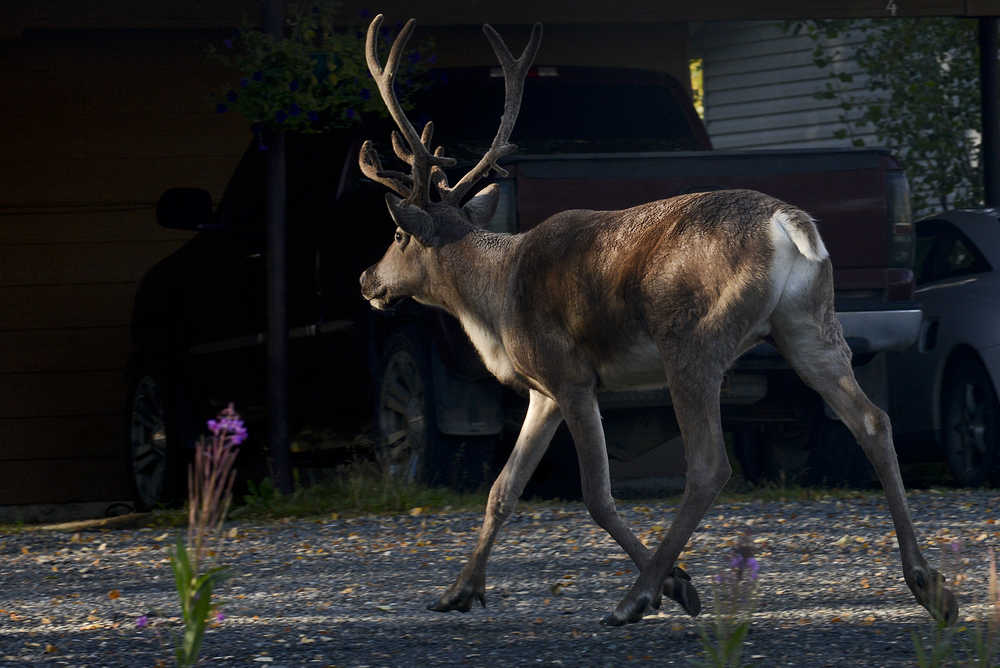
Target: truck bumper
875,331
866,331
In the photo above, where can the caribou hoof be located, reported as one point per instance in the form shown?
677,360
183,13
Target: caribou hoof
928,587
629,611
459,598
678,587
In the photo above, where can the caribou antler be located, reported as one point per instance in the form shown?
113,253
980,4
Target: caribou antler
414,149
415,152
514,73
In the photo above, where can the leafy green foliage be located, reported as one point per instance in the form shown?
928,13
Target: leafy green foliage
735,594
922,99
315,77
195,592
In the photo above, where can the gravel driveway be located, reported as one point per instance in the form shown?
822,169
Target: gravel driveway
351,592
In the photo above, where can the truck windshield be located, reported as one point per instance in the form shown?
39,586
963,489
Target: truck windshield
565,113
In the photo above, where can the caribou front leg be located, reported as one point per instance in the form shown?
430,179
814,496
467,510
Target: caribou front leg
539,426
583,418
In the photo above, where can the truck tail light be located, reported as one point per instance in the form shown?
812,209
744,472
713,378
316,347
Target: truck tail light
901,238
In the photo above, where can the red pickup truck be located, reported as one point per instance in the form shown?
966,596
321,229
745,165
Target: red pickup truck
588,138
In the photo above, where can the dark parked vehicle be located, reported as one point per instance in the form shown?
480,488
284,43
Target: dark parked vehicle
198,318
944,388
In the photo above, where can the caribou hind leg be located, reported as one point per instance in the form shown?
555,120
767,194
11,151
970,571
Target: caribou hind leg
812,341
583,418
696,404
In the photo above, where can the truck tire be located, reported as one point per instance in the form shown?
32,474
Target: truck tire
773,453
154,431
749,452
969,423
409,446
836,458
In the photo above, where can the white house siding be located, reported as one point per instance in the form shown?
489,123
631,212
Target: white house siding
761,84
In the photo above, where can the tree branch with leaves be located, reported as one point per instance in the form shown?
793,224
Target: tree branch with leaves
922,98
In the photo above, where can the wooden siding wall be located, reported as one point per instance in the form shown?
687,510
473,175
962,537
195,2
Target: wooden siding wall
97,124
761,85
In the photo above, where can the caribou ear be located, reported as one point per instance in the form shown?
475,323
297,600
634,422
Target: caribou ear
411,219
480,209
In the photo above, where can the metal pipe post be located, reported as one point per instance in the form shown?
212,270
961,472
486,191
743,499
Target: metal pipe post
277,286
990,87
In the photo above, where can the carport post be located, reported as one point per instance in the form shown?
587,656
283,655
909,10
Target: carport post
277,285
990,87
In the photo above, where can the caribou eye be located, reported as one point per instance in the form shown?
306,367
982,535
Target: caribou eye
401,238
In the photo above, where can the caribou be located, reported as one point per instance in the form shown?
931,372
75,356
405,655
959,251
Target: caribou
668,292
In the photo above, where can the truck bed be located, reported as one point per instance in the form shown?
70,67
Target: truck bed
844,190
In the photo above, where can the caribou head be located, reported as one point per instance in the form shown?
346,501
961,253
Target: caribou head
429,219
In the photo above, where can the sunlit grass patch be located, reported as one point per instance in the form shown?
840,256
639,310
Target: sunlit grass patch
357,488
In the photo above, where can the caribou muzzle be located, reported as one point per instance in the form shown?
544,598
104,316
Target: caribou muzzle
375,292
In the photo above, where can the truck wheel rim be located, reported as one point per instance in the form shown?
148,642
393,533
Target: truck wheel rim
148,439
967,427
402,423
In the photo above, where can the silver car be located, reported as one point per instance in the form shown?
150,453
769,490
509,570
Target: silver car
944,387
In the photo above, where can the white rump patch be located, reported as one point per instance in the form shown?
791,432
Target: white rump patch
800,236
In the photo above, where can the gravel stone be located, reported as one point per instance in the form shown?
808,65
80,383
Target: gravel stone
352,592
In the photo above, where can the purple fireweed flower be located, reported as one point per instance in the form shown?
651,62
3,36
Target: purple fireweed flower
414,57
294,110
228,43
221,108
257,76
142,622
281,116
366,94
350,113
742,562
313,116
232,96
294,85
231,428
229,424
244,82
